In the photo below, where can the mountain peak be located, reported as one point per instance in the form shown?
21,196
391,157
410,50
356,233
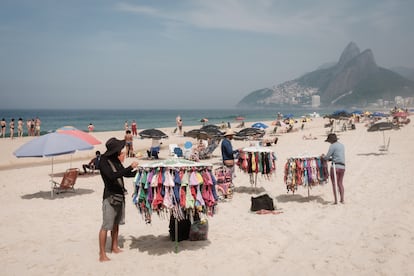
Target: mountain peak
350,52
354,80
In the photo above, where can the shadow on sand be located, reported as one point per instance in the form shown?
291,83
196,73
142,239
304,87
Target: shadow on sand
249,190
372,153
46,194
301,199
162,244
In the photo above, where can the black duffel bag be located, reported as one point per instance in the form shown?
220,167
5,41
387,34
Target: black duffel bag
262,202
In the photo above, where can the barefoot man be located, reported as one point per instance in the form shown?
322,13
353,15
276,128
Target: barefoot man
113,204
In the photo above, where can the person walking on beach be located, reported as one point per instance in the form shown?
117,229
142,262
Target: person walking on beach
91,127
32,127
11,126
336,154
134,128
20,127
126,126
179,122
113,204
129,143
37,126
3,127
28,123
227,152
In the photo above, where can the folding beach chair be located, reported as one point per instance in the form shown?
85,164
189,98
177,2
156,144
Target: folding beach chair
67,183
172,148
208,152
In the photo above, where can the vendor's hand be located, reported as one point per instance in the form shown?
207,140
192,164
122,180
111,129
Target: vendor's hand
134,164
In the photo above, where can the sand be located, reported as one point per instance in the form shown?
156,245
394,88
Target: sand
371,234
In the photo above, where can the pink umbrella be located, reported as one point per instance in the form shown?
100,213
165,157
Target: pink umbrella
240,118
79,134
400,114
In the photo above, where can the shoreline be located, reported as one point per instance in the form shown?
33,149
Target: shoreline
371,231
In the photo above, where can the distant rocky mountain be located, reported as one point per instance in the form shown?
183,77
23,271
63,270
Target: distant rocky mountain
407,73
355,80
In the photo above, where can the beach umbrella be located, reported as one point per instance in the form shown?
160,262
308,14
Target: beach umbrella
67,128
240,118
357,112
378,114
152,133
188,145
197,134
79,134
214,133
50,145
260,125
382,126
400,114
249,132
212,130
210,127
338,114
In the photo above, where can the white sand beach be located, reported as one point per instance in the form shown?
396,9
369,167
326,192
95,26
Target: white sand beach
371,234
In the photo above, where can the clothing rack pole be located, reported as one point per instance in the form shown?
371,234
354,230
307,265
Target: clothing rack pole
255,181
176,235
335,185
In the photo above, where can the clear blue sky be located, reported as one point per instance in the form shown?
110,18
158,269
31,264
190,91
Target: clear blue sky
183,54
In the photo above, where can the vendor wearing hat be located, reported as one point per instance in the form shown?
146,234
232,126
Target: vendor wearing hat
113,204
336,154
227,151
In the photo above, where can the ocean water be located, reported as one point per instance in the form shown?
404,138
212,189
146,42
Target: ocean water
113,120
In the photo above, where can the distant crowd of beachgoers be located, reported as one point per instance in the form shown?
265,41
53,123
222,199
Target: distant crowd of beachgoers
17,129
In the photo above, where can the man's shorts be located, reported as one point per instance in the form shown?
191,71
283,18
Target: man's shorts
112,215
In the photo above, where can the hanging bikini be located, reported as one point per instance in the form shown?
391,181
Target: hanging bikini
305,171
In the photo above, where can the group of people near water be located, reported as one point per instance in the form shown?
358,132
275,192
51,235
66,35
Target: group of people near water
32,127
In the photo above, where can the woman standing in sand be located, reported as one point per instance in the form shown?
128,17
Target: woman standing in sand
179,122
126,126
37,126
11,126
20,127
134,127
336,154
3,127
